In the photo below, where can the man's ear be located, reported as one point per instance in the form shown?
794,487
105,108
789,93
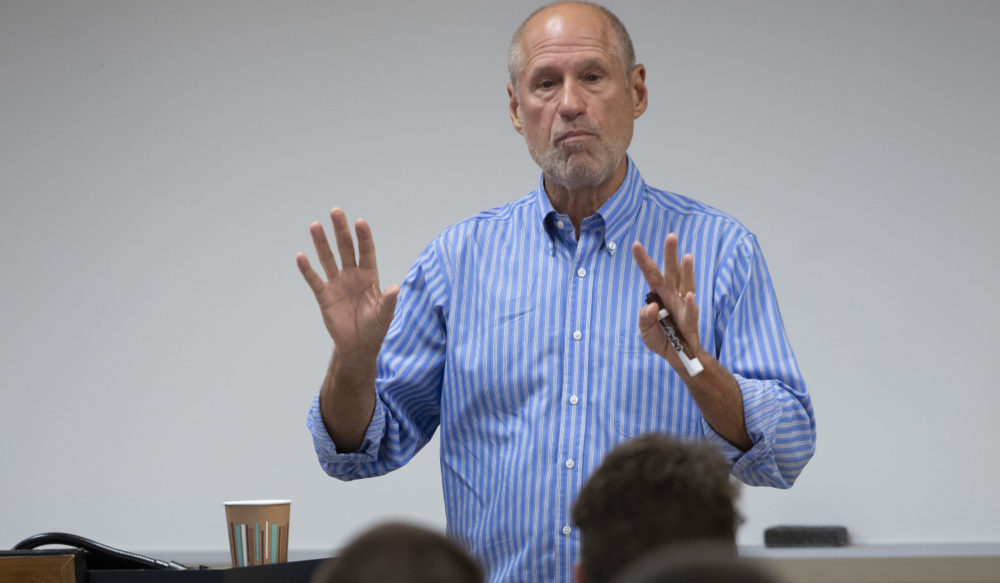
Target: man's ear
515,109
640,95
578,573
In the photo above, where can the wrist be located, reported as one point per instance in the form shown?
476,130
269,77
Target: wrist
359,364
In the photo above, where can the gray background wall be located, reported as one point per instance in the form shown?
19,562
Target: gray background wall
160,163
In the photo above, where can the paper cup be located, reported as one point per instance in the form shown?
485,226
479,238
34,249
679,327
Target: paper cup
258,531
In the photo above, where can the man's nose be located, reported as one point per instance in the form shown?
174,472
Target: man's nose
572,101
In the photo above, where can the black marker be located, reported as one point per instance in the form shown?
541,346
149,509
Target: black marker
691,363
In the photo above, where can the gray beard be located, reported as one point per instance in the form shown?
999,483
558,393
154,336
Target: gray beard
559,165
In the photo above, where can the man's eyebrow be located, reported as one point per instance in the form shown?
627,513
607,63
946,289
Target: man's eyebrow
593,62
583,64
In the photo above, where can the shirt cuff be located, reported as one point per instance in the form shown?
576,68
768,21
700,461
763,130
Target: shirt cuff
761,412
334,462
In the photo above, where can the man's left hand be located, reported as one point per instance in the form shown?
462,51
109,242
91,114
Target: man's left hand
715,390
676,286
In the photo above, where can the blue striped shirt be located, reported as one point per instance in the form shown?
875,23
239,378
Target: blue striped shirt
520,343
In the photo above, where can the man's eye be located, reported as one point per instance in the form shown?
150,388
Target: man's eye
593,77
547,84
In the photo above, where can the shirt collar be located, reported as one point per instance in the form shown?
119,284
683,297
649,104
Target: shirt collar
618,212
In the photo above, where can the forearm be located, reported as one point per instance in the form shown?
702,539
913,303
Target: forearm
347,400
718,395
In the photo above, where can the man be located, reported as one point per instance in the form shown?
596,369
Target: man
396,552
652,492
515,331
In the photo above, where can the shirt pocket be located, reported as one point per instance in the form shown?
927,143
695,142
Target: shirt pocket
648,396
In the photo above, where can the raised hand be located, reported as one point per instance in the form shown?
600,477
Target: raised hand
716,390
355,310
676,286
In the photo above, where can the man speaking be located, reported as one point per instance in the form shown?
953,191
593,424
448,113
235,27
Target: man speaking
523,334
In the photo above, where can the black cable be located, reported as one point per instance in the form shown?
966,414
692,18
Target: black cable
109,555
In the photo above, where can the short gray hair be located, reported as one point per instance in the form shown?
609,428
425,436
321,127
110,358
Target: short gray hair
623,42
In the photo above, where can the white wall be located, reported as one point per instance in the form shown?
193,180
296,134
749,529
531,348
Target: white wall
160,163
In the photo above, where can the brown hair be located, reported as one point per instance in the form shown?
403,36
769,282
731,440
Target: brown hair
649,492
396,552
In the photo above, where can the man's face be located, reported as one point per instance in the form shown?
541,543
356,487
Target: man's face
573,103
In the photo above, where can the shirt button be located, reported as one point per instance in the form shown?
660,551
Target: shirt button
577,335
569,464
581,272
573,400
560,224
612,246
566,529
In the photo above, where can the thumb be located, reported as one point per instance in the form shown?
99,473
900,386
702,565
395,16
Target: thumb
649,331
387,305
648,315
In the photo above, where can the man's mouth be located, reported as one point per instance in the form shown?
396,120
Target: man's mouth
574,135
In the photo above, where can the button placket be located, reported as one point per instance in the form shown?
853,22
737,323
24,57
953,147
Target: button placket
587,256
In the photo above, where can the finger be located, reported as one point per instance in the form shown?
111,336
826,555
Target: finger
366,244
323,250
312,278
687,282
689,325
650,271
345,242
671,266
692,308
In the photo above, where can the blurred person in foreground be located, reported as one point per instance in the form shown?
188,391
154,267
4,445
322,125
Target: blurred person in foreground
397,552
651,492
694,563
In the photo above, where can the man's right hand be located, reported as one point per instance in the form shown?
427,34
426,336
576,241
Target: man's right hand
356,313
357,316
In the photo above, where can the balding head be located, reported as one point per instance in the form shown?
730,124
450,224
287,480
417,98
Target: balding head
621,41
575,103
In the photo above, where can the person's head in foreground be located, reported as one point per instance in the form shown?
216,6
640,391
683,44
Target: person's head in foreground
396,552
694,563
650,492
